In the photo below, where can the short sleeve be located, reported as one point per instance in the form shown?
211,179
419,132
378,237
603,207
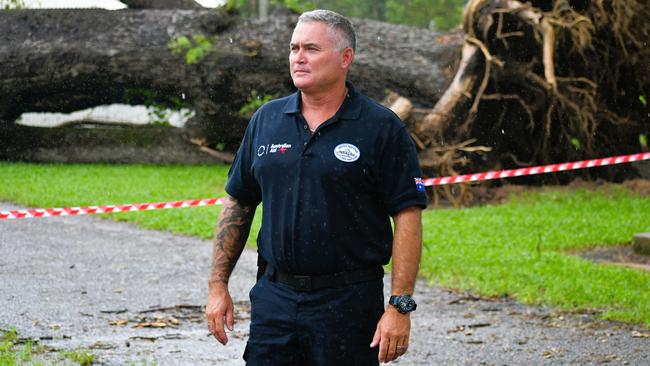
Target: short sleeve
241,182
401,176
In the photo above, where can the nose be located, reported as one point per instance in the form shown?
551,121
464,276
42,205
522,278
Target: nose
300,56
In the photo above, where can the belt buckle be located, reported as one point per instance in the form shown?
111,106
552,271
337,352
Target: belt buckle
303,283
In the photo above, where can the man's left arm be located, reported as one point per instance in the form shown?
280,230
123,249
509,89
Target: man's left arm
394,328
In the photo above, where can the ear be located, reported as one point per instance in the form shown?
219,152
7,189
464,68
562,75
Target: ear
346,57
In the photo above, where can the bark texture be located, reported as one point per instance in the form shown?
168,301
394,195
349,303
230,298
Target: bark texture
162,4
66,60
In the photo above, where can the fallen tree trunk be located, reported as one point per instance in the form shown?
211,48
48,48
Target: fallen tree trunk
66,60
162,4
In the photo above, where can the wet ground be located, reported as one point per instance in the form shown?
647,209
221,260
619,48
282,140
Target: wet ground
134,297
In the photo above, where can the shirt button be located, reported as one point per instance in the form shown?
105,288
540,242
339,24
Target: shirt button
304,127
305,143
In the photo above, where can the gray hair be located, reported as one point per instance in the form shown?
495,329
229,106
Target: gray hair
343,29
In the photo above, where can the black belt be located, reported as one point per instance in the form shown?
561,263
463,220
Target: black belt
312,283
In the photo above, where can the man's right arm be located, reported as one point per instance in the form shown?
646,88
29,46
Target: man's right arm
232,231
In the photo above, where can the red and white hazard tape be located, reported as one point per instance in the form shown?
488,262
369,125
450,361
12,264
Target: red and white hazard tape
49,212
536,170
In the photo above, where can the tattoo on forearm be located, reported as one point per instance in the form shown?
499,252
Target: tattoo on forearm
231,234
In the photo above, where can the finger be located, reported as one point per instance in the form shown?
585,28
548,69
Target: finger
401,349
230,318
375,339
392,349
383,349
219,332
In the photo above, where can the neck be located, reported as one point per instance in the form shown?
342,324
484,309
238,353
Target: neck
324,101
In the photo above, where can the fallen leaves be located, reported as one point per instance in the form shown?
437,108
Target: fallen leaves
102,345
552,353
637,334
120,322
147,322
157,322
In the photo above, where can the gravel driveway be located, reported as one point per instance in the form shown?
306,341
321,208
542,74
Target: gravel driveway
134,297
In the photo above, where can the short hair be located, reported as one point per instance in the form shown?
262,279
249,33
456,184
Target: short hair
343,28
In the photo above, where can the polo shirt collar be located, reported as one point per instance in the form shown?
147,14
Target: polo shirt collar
350,109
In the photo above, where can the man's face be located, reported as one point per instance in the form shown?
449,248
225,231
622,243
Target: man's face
314,61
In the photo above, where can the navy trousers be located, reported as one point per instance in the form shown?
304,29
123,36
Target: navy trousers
331,326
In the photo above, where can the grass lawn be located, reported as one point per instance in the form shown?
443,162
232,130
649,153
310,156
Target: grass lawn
515,249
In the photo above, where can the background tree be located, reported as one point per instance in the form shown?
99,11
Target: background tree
437,15
11,4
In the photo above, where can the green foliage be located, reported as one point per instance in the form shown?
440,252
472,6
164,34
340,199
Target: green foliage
437,15
7,352
83,358
194,50
159,106
643,141
253,103
643,100
12,353
434,14
297,6
11,4
576,143
249,8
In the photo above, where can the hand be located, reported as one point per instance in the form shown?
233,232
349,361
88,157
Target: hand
392,335
219,312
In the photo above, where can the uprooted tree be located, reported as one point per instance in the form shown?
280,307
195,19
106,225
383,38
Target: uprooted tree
543,81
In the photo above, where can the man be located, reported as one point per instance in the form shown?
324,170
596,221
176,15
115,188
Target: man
331,168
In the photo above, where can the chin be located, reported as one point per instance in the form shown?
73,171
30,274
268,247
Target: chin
301,84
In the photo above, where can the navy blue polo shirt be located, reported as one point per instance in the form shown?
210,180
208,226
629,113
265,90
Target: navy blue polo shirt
327,198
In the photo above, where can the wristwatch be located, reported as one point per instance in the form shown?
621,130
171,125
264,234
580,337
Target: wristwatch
404,304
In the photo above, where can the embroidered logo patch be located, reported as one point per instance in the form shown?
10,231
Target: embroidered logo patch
273,148
419,184
347,153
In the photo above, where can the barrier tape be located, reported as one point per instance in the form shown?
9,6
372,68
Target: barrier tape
536,170
88,210
499,174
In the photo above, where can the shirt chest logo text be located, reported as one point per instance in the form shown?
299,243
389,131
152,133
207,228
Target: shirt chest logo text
347,153
273,148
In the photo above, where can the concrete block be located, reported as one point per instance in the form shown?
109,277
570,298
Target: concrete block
642,243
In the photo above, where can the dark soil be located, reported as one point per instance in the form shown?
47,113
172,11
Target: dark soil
619,255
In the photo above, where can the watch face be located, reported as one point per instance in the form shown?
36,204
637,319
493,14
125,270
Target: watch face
406,304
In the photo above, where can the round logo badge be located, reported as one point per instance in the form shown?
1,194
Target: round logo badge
347,153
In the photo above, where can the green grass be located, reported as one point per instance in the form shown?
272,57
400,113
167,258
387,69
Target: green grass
12,353
517,249
36,185
82,357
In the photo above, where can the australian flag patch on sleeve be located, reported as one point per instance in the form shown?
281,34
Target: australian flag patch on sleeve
419,184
